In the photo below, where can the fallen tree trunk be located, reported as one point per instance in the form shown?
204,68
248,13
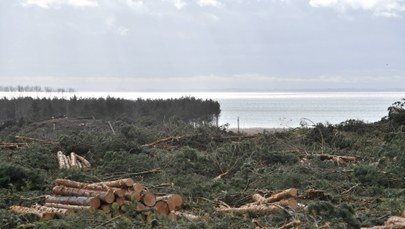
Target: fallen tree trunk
25,210
80,185
93,202
395,220
292,192
121,183
258,209
69,206
61,160
105,196
86,164
28,139
187,216
290,203
174,201
58,211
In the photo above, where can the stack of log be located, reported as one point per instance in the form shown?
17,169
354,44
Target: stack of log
111,197
393,222
72,161
274,204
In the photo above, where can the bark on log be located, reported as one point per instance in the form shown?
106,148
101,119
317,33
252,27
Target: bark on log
395,220
73,160
86,164
60,212
68,161
61,160
292,192
173,200
105,196
121,183
80,185
258,209
41,214
69,206
93,202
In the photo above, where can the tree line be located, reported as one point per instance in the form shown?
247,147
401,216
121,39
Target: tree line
188,109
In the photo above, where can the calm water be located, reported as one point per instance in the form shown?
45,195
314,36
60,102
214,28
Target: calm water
272,109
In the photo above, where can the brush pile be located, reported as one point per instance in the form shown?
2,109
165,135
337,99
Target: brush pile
110,197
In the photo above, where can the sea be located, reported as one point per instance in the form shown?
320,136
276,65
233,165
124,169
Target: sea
268,109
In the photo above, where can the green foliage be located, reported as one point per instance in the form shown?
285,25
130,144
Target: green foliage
19,177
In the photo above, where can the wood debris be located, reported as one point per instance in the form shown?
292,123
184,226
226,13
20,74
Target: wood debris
393,222
340,160
111,197
73,161
12,145
274,204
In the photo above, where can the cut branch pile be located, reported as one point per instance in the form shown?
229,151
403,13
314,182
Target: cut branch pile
110,197
393,222
274,204
72,161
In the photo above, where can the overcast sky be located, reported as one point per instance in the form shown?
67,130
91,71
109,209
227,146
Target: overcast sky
204,45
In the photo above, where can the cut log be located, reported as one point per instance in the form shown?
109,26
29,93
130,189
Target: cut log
67,164
292,192
69,206
395,220
80,185
73,160
120,201
403,214
24,210
173,200
119,193
86,164
93,202
132,195
148,198
258,198
138,187
121,183
161,208
105,196
60,212
140,207
290,203
258,209
61,160
69,161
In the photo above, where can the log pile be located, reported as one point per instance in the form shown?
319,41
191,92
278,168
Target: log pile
72,161
393,222
274,204
111,197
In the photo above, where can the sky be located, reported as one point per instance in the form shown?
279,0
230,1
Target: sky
203,45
